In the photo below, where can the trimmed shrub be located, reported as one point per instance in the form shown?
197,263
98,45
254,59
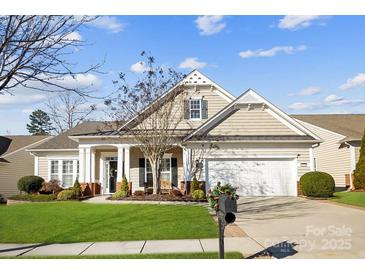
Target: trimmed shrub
67,194
198,194
317,184
120,194
34,198
194,185
124,187
138,193
51,187
77,188
359,173
30,184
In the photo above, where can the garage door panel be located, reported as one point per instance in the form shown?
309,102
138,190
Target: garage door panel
254,177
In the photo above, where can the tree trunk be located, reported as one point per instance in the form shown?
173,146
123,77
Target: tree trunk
155,176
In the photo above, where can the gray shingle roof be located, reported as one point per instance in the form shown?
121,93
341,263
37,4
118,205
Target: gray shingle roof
63,142
349,125
20,141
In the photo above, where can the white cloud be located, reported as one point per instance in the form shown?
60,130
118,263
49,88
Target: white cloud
309,91
26,96
331,100
109,23
139,67
357,81
210,24
303,106
73,36
192,63
294,22
271,52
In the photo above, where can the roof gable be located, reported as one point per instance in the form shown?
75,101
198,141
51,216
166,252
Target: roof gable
252,101
193,79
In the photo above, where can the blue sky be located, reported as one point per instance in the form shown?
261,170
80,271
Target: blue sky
310,64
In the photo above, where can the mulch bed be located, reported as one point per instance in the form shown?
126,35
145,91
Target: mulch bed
158,197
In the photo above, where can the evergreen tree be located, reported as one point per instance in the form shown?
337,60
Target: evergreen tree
360,167
40,123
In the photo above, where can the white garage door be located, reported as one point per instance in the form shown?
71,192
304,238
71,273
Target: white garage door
255,177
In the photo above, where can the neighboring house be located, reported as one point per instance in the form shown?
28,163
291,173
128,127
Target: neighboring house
339,151
259,148
16,161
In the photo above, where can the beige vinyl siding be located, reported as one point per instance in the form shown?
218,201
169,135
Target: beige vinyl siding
251,122
136,153
44,157
215,103
329,157
21,164
241,150
357,154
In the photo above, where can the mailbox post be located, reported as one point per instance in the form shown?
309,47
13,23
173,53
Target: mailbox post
225,213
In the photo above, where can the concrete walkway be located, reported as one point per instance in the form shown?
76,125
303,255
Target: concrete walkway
245,245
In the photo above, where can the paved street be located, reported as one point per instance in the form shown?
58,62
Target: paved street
293,227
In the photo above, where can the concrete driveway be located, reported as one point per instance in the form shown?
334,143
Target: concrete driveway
292,227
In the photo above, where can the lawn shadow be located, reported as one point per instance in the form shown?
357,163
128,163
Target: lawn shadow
25,248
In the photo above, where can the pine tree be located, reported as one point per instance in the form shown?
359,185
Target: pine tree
360,167
40,123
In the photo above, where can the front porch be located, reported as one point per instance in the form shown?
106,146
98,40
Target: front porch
102,167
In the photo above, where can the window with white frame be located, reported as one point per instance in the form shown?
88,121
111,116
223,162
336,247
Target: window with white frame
67,173
64,170
165,170
195,107
54,170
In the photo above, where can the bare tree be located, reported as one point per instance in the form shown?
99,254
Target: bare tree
198,155
156,113
34,51
67,110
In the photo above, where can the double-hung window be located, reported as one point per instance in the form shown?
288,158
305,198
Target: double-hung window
67,173
165,170
195,107
54,170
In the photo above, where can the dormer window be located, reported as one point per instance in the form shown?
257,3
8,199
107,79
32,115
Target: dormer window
195,110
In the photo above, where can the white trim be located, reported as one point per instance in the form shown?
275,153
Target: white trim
311,159
352,164
200,109
60,167
93,155
81,165
87,165
127,160
52,149
36,166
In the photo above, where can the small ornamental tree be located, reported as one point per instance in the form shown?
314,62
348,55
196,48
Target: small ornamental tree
124,186
359,173
77,188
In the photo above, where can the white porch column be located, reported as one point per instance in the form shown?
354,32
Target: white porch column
120,164
126,162
81,165
87,165
93,153
352,164
36,165
187,161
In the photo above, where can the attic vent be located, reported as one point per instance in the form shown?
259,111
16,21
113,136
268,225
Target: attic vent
194,74
191,78
204,82
195,82
199,78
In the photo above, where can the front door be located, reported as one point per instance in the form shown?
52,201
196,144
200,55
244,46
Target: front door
112,175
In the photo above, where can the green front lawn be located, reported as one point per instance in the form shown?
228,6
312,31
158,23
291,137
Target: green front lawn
207,255
350,198
64,222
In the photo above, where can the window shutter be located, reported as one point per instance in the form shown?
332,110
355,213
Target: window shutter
174,172
141,171
186,109
204,109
